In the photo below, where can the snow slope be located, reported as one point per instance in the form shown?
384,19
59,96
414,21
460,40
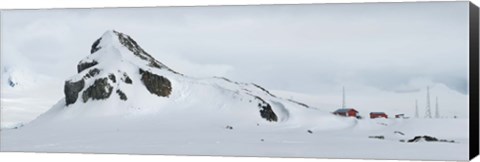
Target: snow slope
124,101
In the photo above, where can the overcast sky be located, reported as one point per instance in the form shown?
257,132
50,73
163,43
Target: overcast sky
385,54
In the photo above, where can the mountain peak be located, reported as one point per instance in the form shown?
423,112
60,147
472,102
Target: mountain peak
114,42
115,64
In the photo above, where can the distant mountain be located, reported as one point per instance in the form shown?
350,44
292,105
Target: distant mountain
17,77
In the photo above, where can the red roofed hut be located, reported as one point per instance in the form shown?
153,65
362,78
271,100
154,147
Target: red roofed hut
374,115
347,112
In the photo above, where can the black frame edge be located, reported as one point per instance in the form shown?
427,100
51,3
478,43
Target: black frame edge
474,80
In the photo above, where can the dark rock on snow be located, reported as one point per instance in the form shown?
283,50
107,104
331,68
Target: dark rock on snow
112,78
85,65
122,95
95,47
126,79
100,89
377,137
71,90
428,139
266,111
132,45
398,132
91,73
156,84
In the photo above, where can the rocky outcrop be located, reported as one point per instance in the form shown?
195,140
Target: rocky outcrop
138,51
126,79
71,90
266,111
122,95
100,89
428,139
132,45
84,65
112,78
95,46
156,84
91,73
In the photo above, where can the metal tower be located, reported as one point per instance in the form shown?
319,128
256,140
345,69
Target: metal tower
343,98
416,109
437,112
428,112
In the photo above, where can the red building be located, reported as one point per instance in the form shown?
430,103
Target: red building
347,112
374,115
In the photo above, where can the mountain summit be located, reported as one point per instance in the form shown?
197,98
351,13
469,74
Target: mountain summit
115,56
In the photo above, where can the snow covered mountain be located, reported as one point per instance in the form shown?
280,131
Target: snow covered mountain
120,78
122,100
17,77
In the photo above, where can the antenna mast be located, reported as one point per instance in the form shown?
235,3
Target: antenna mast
428,112
343,98
437,113
416,109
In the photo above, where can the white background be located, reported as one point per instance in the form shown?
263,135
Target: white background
29,4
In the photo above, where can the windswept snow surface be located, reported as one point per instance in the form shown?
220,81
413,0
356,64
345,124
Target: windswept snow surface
170,135
217,116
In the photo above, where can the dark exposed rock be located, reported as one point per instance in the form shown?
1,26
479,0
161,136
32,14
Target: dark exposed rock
91,73
122,95
398,132
71,90
377,137
229,127
310,131
132,45
266,111
228,80
95,46
156,84
100,89
112,78
126,79
85,65
138,51
18,126
263,89
444,140
11,82
298,103
428,139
